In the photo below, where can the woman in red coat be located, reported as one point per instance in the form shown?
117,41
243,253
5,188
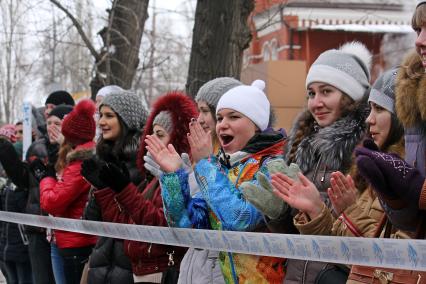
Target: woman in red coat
66,195
124,202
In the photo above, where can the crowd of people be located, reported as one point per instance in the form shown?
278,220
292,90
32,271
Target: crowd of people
353,161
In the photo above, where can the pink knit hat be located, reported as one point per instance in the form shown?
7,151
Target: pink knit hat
8,131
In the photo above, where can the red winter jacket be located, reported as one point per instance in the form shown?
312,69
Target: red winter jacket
67,196
133,207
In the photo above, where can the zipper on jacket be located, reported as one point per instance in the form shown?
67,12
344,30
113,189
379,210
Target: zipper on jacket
324,173
149,249
171,261
231,262
6,235
304,272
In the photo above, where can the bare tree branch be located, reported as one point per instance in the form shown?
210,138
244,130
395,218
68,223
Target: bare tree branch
79,28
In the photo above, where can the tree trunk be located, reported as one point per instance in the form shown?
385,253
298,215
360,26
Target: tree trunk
220,35
119,58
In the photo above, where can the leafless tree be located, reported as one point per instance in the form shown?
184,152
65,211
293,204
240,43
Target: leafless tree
66,61
117,61
13,63
219,38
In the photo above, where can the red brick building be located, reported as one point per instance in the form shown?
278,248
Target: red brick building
289,35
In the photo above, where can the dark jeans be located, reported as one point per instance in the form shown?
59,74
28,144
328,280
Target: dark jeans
74,260
18,272
41,264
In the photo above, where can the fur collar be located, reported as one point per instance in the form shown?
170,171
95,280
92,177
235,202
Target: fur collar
410,92
332,144
81,152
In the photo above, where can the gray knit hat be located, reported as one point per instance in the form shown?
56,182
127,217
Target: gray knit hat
211,91
128,106
346,68
383,91
164,119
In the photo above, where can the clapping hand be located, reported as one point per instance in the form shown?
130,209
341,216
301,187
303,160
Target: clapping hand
342,193
302,195
199,141
166,157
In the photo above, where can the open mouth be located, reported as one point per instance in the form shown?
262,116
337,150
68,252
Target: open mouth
226,139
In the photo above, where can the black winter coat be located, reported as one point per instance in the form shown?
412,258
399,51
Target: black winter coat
13,240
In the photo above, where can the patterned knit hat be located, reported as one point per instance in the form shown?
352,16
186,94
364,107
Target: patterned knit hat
164,119
128,106
346,68
251,101
79,126
214,89
60,111
60,98
8,131
383,91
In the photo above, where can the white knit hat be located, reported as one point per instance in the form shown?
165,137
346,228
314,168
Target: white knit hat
251,101
346,68
419,2
106,90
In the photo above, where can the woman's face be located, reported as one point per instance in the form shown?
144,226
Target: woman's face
233,130
54,124
421,44
205,118
324,103
109,124
380,122
161,133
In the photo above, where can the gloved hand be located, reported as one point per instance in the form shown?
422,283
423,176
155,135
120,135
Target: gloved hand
41,170
115,176
280,166
390,176
90,171
155,169
263,198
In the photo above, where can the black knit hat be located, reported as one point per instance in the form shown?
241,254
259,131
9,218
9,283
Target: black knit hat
60,111
60,98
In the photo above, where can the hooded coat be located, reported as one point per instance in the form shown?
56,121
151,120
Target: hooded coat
145,207
67,196
410,106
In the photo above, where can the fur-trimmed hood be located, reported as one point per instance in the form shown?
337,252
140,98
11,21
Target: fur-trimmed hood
410,92
182,108
332,144
81,152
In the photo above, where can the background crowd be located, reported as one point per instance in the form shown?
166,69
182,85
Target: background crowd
353,164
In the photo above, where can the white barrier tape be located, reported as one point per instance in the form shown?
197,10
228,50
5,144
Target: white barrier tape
392,253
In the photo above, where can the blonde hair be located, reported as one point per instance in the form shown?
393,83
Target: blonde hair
64,149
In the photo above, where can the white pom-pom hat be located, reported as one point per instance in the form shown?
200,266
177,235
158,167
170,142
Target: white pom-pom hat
346,68
251,101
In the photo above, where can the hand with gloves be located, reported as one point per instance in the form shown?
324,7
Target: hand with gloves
155,169
115,176
41,170
262,196
391,177
90,170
